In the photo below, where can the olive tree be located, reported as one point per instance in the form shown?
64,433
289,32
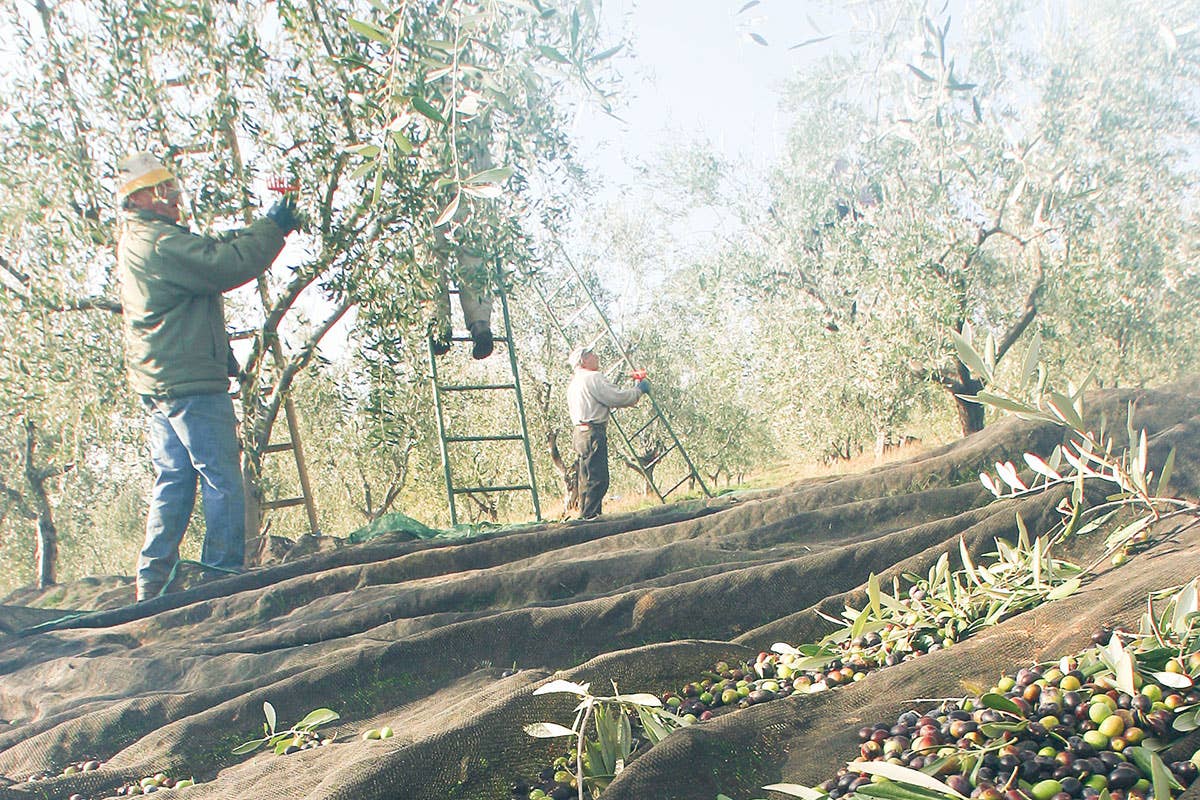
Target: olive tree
949,175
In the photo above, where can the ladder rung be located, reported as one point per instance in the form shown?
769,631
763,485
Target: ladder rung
550,297
576,314
278,448
286,503
682,481
505,437
649,422
660,457
522,487
473,387
495,338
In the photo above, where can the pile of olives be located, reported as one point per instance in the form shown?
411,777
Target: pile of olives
1054,735
772,676
775,675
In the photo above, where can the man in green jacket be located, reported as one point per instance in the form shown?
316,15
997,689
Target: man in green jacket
178,359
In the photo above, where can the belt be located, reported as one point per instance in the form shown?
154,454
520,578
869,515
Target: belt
587,426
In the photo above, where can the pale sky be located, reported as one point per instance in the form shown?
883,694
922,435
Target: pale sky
692,72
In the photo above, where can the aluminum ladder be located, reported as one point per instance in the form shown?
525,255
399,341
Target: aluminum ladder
576,292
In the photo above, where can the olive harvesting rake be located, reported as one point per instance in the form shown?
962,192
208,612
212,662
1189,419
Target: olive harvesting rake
282,185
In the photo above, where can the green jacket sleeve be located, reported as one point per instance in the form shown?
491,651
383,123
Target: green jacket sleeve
206,265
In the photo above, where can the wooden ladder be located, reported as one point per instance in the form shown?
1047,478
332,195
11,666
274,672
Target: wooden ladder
292,444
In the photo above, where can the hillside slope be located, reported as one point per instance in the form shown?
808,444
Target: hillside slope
420,636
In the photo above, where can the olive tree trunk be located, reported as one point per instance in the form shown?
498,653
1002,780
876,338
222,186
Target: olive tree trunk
47,532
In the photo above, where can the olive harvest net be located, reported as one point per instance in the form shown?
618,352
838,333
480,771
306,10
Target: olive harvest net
446,641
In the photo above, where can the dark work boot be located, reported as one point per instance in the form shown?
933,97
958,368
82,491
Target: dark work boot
148,591
481,341
439,343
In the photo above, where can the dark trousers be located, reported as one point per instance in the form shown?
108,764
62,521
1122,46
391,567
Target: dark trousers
592,446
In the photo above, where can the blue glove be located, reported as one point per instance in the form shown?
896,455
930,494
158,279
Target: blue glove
283,214
643,386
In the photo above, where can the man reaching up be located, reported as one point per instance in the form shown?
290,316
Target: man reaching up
590,399
179,361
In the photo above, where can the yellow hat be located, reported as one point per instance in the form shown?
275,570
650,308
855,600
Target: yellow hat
140,171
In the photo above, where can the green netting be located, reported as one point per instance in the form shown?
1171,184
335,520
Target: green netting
424,634
396,524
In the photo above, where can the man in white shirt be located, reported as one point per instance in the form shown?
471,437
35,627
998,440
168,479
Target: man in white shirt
590,399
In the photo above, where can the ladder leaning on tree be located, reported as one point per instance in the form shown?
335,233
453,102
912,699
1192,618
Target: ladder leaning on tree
449,441
254,508
292,444
576,293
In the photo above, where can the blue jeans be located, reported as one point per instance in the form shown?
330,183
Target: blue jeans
193,437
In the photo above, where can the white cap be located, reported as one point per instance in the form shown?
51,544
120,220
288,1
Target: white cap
577,356
140,171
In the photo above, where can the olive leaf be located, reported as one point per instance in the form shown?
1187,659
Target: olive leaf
496,175
1187,721
966,353
1041,467
1164,478
248,747
423,107
556,686
796,790
902,775
1064,590
449,211
369,30
1186,603
318,717
553,54
1151,764
998,702
547,730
